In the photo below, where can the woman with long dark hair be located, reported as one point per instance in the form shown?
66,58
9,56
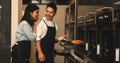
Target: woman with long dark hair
25,34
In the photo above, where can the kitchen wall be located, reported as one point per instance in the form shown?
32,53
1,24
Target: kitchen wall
84,9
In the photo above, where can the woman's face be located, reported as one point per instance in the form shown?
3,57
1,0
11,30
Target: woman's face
49,14
34,14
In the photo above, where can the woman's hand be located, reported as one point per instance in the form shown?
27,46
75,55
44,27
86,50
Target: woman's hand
60,38
35,25
36,22
41,57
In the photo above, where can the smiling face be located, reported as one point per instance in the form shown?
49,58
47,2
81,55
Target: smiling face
49,14
34,14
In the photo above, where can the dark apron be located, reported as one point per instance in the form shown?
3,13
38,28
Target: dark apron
47,45
21,52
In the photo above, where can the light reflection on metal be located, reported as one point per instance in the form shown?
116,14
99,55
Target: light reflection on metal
0,26
0,13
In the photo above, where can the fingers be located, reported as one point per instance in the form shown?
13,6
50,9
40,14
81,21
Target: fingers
65,39
42,59
62,38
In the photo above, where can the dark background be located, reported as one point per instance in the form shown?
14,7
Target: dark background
5,30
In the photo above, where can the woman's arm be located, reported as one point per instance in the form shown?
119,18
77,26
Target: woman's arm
41,56
60,38
40,34
27,29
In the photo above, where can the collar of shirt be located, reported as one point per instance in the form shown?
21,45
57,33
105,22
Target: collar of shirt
49,23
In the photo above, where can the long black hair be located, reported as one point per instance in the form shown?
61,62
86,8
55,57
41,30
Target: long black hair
30,8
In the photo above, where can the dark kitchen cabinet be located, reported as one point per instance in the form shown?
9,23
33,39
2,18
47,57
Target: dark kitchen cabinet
5,30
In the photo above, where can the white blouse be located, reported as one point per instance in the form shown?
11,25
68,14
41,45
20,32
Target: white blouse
42,28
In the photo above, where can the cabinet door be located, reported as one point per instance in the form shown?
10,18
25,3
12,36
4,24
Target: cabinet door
5,30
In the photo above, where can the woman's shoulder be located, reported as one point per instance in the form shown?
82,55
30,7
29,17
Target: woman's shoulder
24,22
41,21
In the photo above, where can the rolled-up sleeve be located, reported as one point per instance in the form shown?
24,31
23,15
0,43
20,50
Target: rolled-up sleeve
41,30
